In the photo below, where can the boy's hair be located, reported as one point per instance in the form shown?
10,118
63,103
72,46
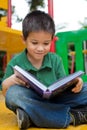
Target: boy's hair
37,21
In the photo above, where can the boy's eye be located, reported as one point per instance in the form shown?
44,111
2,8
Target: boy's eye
46,43
34,43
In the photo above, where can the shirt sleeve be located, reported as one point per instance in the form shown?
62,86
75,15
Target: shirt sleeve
8,72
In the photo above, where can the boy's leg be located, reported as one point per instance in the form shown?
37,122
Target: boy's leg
73,99
23,119
79,115
43,113
78,105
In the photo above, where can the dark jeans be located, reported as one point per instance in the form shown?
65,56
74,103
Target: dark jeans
45,113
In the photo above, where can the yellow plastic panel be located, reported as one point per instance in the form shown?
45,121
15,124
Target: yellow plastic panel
3,21
4,4
4,24
11,41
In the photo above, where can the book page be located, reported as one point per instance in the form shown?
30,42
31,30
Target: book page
29,78
66,81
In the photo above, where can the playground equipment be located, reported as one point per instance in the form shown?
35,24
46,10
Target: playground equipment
10,44
72,47
5,5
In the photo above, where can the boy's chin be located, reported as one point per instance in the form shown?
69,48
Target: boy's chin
39,58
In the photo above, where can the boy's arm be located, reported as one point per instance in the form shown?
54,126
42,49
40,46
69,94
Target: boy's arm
10,81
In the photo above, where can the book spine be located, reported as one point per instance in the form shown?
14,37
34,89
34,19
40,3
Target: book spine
47,94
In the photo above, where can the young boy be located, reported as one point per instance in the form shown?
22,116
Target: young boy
31,109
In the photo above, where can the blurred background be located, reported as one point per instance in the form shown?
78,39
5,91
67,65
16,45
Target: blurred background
67,14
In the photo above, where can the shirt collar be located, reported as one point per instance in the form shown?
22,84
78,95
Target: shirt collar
46,62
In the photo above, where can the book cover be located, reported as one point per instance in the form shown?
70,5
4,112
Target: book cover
51,91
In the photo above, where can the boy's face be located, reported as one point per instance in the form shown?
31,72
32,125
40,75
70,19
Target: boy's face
38,45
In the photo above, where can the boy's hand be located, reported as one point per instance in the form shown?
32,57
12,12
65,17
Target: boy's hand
17,80
78,86
11,81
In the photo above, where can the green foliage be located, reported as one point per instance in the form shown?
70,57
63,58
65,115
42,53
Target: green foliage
34,4
84,23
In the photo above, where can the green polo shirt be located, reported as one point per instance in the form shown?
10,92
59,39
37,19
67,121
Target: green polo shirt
51,70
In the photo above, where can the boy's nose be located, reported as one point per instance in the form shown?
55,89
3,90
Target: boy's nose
40,48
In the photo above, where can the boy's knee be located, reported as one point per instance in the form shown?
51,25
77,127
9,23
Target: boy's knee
11,94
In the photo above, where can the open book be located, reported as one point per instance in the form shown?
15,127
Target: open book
51,91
